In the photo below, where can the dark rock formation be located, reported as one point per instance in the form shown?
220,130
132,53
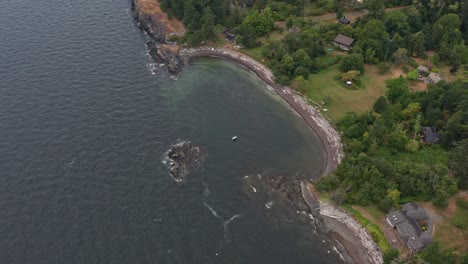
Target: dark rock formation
290,189
166,54
182,158
160,48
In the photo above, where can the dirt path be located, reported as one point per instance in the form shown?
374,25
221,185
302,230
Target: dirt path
329,137
352,15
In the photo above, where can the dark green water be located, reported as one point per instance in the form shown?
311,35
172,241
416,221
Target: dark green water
83,128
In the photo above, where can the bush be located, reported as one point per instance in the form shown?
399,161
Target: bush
413,75
374,236
413,63
301,71
380,105
383,67
412,146
390,255
435,59
405,69
353,62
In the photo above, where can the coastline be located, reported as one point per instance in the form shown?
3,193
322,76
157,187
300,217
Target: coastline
329,137
354,243
352,240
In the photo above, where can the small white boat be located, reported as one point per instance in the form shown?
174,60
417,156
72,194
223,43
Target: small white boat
234,138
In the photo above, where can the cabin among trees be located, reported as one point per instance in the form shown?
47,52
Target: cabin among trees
430,135
344,42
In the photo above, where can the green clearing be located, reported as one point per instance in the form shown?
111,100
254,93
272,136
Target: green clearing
372,228
460,217
255,53
452,231
322,85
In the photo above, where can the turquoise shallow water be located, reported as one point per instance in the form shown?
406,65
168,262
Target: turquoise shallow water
84,124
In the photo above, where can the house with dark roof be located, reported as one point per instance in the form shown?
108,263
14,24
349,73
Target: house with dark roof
430,135
413,225
345,43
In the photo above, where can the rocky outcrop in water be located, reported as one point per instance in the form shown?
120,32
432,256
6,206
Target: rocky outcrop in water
167,54
182,158
290,189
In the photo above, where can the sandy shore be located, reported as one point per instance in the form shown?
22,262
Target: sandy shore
329,137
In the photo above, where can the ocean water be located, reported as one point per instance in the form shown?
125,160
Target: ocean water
85,118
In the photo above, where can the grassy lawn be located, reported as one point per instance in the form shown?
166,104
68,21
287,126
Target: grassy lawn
255,53
342,100
452,231
372,228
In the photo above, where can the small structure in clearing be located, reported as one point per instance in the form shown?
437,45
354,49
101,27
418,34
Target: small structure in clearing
229,36
413,225
345,43
423,71
434,78
344,21
430,135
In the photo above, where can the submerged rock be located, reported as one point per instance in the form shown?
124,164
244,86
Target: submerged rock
182,158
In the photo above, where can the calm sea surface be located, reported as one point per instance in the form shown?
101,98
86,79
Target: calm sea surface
84,121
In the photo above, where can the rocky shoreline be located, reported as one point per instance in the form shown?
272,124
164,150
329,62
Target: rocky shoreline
354,244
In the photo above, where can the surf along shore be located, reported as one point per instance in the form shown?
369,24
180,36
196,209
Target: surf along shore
351,238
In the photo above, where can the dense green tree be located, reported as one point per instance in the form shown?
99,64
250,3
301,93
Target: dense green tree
376,9
380,105
417,44
260,21
397,22
207,24
374,41
414,19
400,56
459,162
352,62
446,33
397,89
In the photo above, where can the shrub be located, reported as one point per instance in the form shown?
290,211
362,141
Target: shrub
374,236
413,63
383,67
350,76
380,105
301,71
405,69
413,75
412,146
389,255
435,59
353,62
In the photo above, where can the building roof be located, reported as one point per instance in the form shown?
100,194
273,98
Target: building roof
415,244
407,222
409,207
344,20
435,77
422,68
344,40
396,217
430,135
